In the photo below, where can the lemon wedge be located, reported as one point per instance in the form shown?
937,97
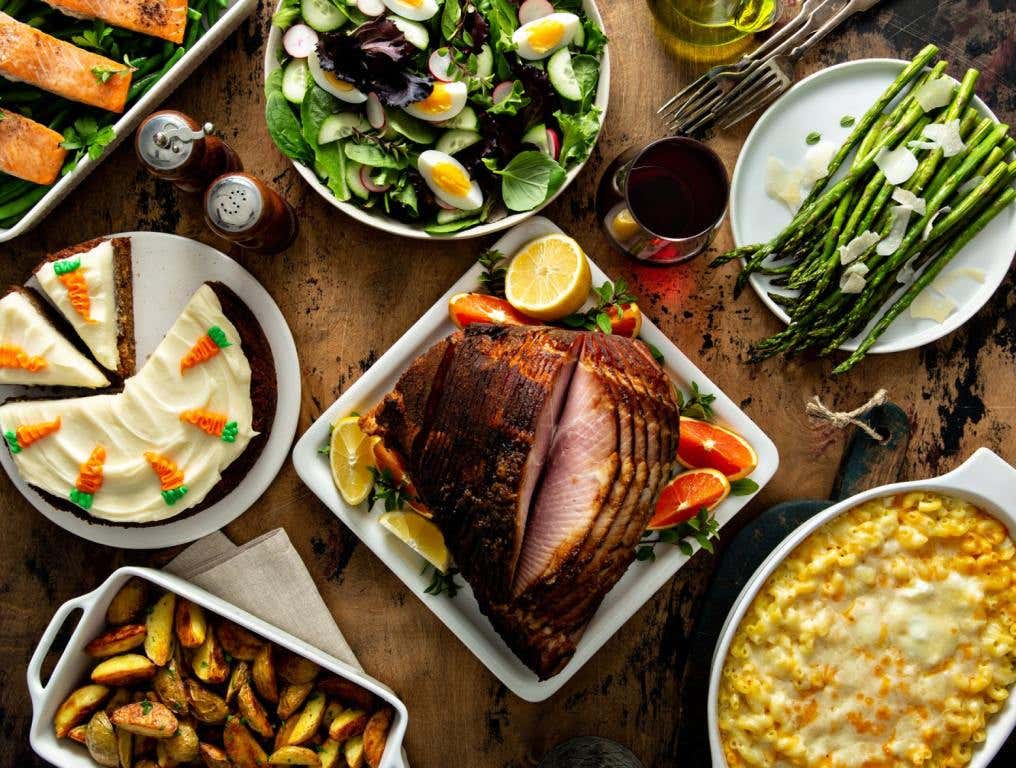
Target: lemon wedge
549,278
420,534
352,455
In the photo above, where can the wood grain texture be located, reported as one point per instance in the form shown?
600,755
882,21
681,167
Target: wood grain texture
349,292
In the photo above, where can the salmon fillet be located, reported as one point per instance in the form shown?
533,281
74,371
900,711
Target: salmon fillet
29,150
30,56
159,18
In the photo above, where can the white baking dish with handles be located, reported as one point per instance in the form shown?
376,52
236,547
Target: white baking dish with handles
984,479
71,670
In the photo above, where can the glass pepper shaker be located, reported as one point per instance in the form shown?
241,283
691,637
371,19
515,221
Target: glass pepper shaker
173,147
243,209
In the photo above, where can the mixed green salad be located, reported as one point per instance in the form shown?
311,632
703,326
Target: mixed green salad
441,113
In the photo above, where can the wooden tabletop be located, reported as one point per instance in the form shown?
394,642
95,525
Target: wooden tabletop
349,292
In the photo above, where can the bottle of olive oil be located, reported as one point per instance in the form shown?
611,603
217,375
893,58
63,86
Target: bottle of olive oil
714,22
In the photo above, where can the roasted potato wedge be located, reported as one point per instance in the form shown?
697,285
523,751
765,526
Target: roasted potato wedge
295,669
213,756
125,747
332,709
239,677
180,748
294,756
309,719
263,674
116,641
126,669
348,723
209,662
242,748
352,750
349,693
376,736
77,707
120,697
78,733
285,731
128,604
169,687
291,698
159,626
191,626
100,739
252,711
329,753
146,718
237,641
206,706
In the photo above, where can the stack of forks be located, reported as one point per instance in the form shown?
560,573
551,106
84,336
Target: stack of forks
727,94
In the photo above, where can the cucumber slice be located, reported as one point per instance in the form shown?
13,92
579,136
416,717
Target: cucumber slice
447,217
562,76
322,15
579,38
295,79
415,33
537,136
342,126
353,180
415,130
457,139
484,62
465,120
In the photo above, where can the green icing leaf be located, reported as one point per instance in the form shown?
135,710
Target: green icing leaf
229,432
216,334
82,499
173,495
12,442
66,266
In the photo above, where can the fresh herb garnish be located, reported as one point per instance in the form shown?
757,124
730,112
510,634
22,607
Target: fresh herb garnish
703,528
654,351
529,179
442,582
146,707
492,277
743,487
85,135
697,405
610,297
95,38
326,449
386,489
847,120
102,74
813,138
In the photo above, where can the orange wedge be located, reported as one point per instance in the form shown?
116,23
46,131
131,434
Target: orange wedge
686,494
387,460
707,446
627,322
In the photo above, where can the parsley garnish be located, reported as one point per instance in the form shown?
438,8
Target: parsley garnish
702,528
697,405
326,448
609,296
492,277
102,74
86,136
442,583
385,488
146,707
95,38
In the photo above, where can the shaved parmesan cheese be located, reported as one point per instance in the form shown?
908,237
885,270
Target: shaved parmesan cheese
969,184
898,164
935,93
784,183
910,200
930,305
931,222
945,136
852,280
816,162
852,250
950,278
890,243
907,272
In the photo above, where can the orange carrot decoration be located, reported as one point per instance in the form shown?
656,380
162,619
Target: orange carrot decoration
205,348
215,424
73,278
170,477
27,434
13,356
89,479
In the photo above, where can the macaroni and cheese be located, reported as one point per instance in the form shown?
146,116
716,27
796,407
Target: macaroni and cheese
887,638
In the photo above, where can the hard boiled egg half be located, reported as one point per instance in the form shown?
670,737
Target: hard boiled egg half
449,180
414,10
541,37
338,88
443,103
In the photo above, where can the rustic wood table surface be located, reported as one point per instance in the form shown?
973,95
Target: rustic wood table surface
349,292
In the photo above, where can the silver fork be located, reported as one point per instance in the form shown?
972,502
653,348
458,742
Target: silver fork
766,79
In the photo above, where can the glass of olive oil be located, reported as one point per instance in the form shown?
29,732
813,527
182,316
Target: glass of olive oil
714,22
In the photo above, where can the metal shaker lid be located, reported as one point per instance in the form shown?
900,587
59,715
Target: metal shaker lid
165,141
233,203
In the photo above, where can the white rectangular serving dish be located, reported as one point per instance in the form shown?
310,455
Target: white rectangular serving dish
461,614
71,670
212,39
984,479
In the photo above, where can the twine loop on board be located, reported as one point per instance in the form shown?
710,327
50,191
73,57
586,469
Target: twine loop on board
843,419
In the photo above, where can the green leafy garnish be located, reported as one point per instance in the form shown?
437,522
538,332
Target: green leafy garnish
146,707
528,180
85,135
97,38
813,138
743,487
510,104
703,528
326,449
697,405
492,277
102,74
385,488
289,11
847,120
442,582
609,296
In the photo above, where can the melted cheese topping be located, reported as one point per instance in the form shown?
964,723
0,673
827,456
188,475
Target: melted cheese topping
145,419
24,327
100,330
887,638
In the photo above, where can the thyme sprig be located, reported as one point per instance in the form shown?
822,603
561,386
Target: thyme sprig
696,405
492,277
702,528
386,489
442,583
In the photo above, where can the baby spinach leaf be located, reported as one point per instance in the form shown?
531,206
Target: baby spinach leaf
317,105
529,179
587,72
285,129
374,156
450,17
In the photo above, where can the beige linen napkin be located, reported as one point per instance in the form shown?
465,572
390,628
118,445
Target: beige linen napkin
267,578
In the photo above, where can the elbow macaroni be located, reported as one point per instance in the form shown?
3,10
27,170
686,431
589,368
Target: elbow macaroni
887,638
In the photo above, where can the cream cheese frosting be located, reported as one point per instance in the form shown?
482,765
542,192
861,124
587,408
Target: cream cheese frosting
25,330
165,414
100,329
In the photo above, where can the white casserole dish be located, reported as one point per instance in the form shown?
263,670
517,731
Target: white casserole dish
984,479
71,671
212,39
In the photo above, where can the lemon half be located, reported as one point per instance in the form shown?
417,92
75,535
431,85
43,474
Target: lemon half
420,534
352,455
549,278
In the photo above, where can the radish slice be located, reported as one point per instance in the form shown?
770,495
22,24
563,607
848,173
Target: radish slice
441,65
376,112
502,91
300,41
445,205
369,183
531,10
554,143
370,7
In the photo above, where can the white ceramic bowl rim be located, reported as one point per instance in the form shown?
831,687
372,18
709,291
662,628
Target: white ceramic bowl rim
396,227
984,479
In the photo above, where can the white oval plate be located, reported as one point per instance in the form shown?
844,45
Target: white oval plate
396,227
816,104
168,269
